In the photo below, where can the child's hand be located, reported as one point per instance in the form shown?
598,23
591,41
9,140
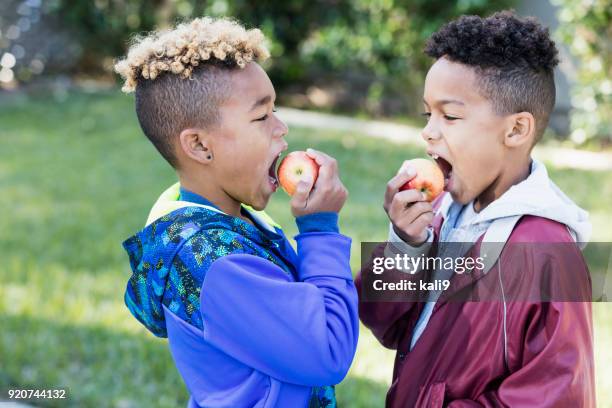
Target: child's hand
408,210
328,193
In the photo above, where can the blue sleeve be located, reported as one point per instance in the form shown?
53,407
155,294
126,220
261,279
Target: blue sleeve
318,222
298,332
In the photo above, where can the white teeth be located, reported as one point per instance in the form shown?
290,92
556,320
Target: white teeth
435,156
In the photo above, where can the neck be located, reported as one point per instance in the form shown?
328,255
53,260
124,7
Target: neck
508,177
212,192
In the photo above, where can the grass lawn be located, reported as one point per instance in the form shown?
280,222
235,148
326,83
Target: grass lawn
77,178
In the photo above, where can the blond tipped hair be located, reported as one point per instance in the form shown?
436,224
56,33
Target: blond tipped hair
179,50
182,76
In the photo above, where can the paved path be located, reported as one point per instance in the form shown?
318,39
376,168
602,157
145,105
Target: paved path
398,133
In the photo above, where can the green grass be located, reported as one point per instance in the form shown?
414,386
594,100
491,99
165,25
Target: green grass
77,178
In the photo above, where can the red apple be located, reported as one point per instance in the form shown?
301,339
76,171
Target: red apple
296,166
429,178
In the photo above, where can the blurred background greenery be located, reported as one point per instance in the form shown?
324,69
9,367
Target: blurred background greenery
358,56
77,177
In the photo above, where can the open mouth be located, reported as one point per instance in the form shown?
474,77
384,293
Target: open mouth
445,166
272,172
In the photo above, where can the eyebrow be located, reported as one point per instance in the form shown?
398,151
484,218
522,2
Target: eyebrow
443,102
262,101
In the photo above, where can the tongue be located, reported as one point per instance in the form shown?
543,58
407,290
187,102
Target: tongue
447,180
272,170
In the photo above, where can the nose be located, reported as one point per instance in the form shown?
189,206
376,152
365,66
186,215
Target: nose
430,132
281,129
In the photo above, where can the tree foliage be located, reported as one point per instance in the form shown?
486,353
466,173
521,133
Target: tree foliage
585,27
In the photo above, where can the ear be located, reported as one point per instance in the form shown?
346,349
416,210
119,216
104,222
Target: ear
196,144
521,130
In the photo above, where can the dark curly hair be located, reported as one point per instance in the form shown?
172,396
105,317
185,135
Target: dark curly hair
514,58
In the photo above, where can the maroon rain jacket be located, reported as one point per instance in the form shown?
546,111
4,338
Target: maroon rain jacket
465,358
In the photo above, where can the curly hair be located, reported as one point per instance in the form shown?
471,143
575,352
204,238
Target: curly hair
181,76
514,58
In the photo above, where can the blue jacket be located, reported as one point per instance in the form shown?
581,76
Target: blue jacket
250,322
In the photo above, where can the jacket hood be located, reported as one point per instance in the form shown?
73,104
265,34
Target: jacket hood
171,223
537,195
151,252
169,201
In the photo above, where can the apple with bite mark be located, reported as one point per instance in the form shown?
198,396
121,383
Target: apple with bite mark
429,178
296,166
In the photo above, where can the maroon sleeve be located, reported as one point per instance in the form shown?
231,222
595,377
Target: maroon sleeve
391,321
550,344
388,320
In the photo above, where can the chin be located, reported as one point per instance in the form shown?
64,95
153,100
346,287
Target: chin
260,204
460,196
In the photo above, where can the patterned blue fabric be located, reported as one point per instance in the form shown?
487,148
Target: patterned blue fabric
170,257
323,397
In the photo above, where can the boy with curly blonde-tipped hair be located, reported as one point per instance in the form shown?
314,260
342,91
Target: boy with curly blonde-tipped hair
249,321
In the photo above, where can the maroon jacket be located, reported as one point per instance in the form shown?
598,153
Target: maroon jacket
465,358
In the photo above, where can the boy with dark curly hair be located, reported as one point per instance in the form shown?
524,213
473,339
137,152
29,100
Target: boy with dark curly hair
528,341
250,322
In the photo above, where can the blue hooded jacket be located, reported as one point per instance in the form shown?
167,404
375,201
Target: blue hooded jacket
250,322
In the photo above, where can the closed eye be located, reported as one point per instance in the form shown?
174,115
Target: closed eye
264,117
426,114
451,118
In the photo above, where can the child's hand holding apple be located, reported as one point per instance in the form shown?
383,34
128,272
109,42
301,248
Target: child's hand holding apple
408,199
312,179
